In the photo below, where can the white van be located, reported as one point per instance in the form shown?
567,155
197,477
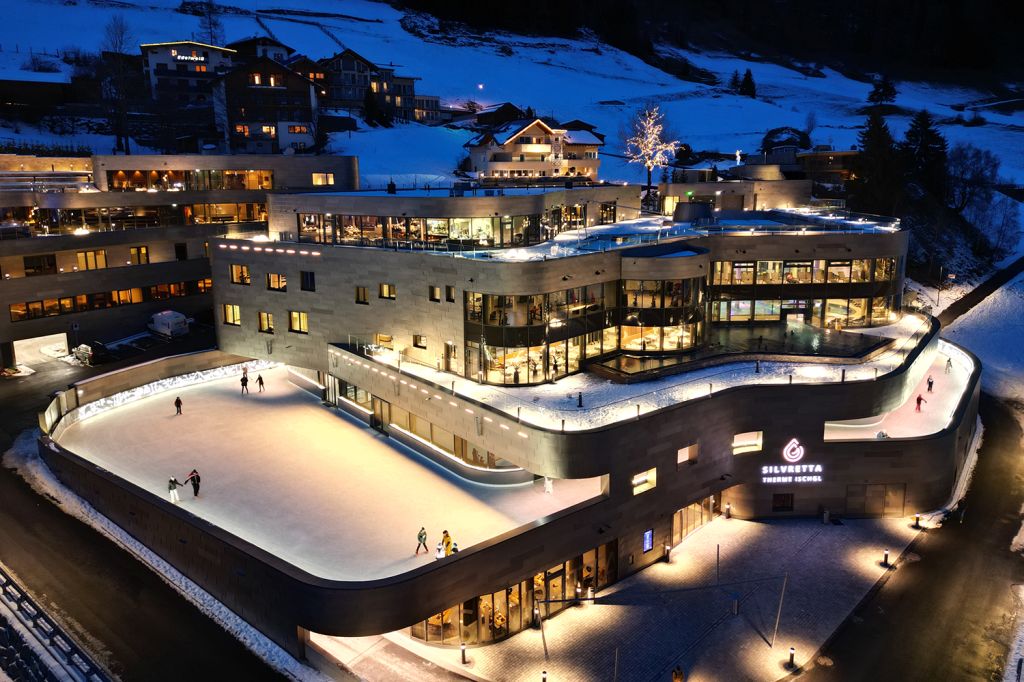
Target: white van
169,323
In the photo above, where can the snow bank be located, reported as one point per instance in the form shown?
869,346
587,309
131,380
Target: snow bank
24,458
992,330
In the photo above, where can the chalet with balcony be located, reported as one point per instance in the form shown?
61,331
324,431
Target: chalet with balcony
183,72
532,150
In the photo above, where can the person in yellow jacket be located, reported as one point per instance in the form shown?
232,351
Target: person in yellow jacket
447,540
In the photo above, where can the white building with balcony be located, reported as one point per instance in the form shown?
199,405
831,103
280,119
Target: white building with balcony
527,150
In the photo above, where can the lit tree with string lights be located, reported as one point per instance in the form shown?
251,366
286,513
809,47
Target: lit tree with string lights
646,145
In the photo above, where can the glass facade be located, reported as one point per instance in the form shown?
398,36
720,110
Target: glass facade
80,303
20,222
528,339
496,615
838,293
130,180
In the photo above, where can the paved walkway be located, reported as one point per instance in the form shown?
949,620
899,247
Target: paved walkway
673,614
303,482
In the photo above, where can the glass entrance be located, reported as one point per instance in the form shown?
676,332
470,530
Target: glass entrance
381,414
555,590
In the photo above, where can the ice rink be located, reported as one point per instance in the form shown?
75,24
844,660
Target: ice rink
905,421
303,481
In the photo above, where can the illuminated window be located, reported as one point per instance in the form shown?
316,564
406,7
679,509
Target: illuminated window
320,179
362,297
242,130
644,481
92,260
747,442
266,322
687,455
200,68
419,340
270,131
139,255
388,291
240,274
299,130
277,282
449,294
231,315
434,294
255,79
298,322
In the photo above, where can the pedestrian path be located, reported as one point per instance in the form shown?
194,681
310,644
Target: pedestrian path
675,614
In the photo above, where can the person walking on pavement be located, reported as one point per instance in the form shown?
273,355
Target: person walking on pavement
194,479
245,384
259,382
931,382
949,365
447,541
920,399
172,490
421,541
177,404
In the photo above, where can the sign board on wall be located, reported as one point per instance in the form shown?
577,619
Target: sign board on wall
795,471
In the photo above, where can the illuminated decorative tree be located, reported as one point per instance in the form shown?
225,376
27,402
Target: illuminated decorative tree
646,145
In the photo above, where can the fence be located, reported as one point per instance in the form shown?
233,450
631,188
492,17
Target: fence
21,662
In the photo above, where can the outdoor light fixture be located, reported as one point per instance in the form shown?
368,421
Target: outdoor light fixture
885,558
792,657
463,647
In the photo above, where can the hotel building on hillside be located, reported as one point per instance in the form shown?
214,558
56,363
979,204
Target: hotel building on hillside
531,150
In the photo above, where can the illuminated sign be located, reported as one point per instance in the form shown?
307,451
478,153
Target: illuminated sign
648,540
190,58
792,472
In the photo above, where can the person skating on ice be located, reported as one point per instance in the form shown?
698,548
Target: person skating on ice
177,404
245,384
194,479
172,489
259,382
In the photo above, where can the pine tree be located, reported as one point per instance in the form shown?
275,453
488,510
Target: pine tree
734,82
747,86
883,91
924,153
876,186
210,24
646,145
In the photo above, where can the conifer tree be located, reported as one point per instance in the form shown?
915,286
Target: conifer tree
883,91
734,82
876,186
924,153
747,86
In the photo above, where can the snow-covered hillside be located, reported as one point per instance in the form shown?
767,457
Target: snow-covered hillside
568,79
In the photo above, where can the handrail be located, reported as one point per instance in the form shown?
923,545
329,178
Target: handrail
72,658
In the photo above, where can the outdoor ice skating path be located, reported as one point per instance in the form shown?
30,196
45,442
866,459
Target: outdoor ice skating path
302,481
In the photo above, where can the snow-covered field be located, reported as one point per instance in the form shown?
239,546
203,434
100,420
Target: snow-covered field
992,330
580,78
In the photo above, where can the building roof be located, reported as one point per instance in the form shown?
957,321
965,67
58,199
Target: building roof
259,40
582,137
505,132
188,42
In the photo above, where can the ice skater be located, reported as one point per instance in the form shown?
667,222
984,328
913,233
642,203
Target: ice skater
259,382
194,479
421,541
245,384
439,552
177,405
446,540
949,365
920,399
931,382
172,490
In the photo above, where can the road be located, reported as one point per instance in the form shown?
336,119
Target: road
947,614
137,626
982,291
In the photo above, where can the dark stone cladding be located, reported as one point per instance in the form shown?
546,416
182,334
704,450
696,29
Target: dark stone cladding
282,600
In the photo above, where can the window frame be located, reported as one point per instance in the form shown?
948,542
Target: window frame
234,319
387,291
302,318
282,281
362,295
266,322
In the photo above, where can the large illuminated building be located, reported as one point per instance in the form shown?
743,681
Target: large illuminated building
751,363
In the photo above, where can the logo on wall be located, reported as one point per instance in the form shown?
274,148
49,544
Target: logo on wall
793,452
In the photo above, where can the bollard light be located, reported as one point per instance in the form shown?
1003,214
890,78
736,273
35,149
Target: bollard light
463,647
792,657
536,616
917,520
543,676
668,553
579,594
885,558
728,510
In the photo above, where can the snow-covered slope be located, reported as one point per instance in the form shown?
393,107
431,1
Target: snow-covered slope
563,78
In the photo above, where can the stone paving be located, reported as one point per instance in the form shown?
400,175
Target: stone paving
674,614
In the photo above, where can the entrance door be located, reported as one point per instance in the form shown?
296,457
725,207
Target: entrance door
381,414
555,590
894,494
450,355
